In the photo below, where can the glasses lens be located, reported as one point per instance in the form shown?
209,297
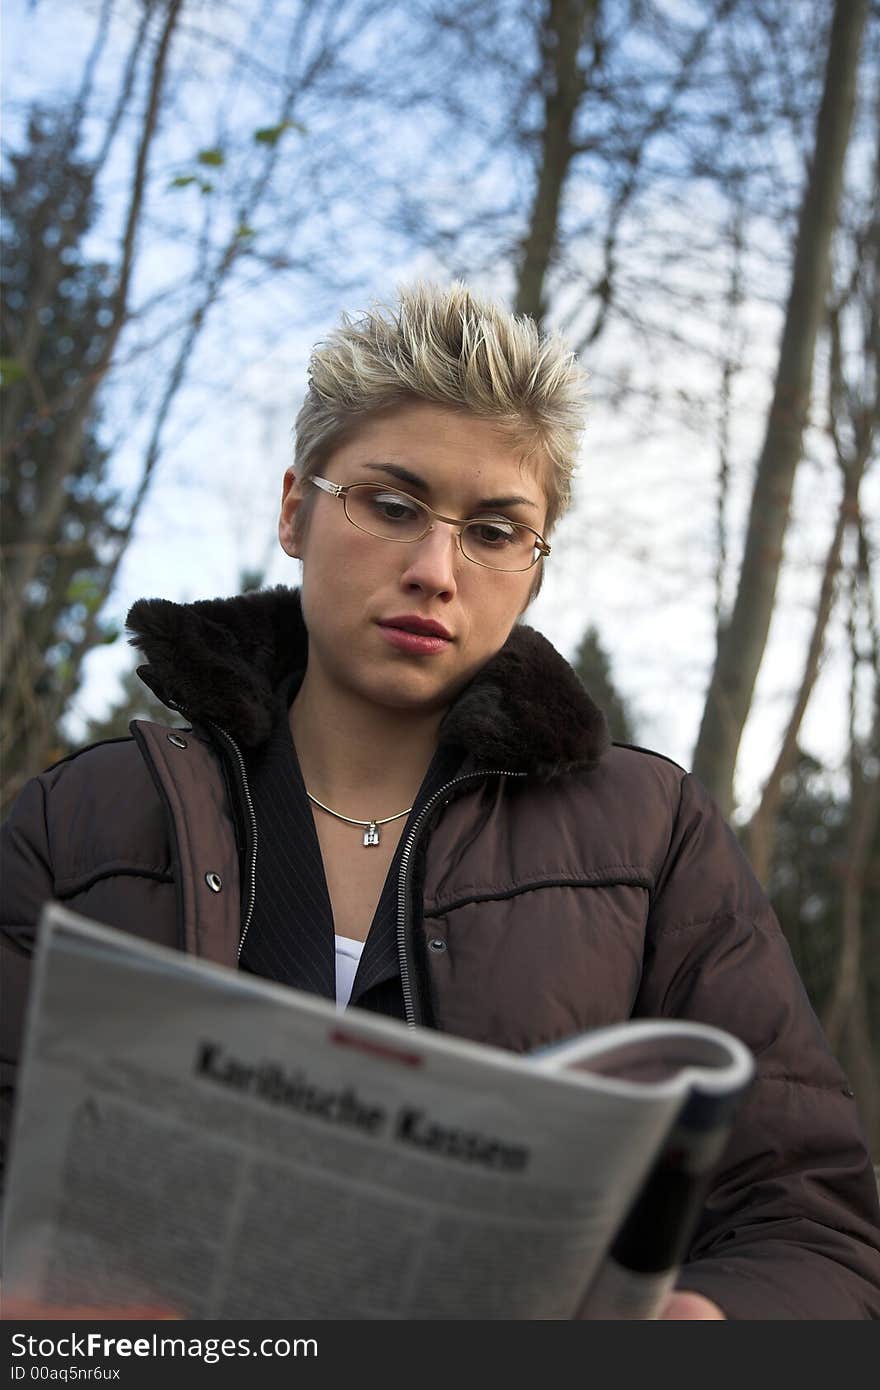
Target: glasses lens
384,512
502,545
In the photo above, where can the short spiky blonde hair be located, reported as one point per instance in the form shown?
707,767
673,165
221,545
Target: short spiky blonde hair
443,345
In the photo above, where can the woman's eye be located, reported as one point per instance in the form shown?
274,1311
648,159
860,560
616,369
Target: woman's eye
394,508
493,533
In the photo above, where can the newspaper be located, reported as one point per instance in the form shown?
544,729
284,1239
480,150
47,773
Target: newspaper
198,1138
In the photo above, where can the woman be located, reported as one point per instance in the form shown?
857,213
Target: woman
393,792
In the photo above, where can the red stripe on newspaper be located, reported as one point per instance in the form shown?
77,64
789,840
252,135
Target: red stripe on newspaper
391,1054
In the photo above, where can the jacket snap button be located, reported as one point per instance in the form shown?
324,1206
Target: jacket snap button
214,882
177,740
437,944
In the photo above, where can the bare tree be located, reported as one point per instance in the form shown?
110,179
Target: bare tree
743,638
565,29
853,426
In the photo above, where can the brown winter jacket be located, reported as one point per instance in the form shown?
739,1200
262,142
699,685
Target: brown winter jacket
557,885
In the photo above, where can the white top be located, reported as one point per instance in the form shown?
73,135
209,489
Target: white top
348,954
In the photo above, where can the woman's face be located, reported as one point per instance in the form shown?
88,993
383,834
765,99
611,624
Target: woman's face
360,592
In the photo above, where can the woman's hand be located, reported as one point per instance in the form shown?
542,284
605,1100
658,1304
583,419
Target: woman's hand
691,1306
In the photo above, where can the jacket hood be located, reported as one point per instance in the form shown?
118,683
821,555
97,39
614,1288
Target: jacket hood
221,661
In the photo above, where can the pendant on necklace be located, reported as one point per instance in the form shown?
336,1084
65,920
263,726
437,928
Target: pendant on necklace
371,834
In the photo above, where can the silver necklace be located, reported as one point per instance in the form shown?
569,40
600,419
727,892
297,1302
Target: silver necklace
371,827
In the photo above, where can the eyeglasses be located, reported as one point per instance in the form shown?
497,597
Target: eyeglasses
493,542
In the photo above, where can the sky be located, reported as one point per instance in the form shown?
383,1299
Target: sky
635,556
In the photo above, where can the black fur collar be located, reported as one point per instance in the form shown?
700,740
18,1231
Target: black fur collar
222,660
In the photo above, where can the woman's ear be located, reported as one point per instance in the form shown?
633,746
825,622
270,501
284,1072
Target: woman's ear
291,501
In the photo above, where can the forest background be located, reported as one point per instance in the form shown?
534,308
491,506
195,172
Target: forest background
194,189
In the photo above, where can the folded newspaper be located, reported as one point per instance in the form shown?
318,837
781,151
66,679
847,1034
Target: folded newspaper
193,1137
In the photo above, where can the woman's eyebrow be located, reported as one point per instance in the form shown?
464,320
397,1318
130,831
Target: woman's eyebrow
403,475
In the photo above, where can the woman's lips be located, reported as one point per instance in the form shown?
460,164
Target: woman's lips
416,643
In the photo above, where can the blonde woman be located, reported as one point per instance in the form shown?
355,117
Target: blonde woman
395,794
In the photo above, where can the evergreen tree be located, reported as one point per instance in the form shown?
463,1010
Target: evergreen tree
804,884
54,318
806,889
592,665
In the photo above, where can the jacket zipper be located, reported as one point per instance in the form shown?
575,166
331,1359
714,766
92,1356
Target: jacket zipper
403,886
252,820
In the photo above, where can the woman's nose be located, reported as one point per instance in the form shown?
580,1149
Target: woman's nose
434,560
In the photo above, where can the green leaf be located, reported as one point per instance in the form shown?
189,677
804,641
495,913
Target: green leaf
83,589
243,230
10,371
206,186
182,181
212,157
271,134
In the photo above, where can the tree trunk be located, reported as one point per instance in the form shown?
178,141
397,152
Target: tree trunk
741,642
760,834
563,31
